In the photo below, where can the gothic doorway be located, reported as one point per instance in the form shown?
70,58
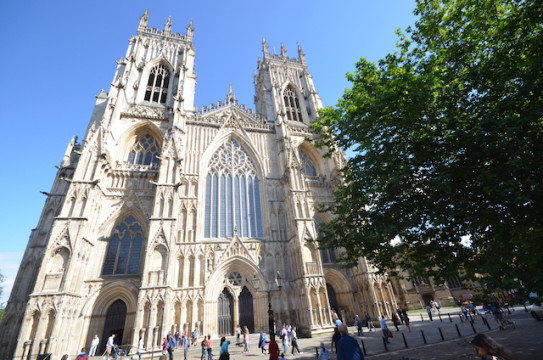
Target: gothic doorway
332,298
246,314
226,312
114,324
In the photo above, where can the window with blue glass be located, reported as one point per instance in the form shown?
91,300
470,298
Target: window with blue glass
124,248
232,194
145,151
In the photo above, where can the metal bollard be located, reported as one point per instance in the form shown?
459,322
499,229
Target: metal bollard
423,337
473,327
422,319
525,308
458,330
450,318
363,347
317,352
487,324
460,316
385,344
440,319
404,340
441,334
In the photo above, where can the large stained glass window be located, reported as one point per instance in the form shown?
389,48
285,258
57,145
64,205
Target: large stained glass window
232,194
124,248
307,164
144,152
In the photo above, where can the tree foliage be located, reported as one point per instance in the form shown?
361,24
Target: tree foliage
447,136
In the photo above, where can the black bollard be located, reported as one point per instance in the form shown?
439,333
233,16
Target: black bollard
422,319
487,324
460,316
404,341
317,352
441,334
458,330
440,319
473,327
525,308
385,344
363,347
423,337
450,318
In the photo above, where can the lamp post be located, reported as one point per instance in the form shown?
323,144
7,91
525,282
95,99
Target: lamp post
271,319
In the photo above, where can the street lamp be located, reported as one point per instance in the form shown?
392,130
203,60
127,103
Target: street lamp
278,284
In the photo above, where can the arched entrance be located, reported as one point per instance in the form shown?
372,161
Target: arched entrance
246,314
114,324
332,298
226,313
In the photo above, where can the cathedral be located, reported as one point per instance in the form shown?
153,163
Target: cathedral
167,217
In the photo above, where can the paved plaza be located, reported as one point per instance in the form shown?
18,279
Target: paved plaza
526,340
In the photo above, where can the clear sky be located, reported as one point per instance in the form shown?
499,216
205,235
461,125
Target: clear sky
56,55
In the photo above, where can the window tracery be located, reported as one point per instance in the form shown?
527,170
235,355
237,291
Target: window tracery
307,164
232,194
157,85
292,105
124,248
145,151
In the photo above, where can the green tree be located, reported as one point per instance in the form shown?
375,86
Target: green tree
447,136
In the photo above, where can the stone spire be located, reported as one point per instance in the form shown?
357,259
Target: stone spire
231,96
265,48
168,26
283,51
144,21
301,54
190,29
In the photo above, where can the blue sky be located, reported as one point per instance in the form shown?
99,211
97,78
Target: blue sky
57,55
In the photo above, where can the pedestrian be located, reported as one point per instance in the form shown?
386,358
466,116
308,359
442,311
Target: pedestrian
139,348
489,349
384,328
358,324
164,348
429,311
195,335
223,352
204,349
171,346
323,353
94,345
262,342
109,346
335,339
437,306
347,346
209,346
369,322
294,341
185,343
273,349
82,355
238,335
284,339
400,314
406,320
395,321
245,340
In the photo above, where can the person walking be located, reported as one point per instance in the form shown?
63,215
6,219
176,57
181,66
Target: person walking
347,346
406,320
369,322
238,335
323,353
429,311
171,346
94,345
223,352
262,342
384,329
209,346
284,339
273,350
395,321
245,339
185,343
358,324
109,346
164,348
489,349
294,341
335,339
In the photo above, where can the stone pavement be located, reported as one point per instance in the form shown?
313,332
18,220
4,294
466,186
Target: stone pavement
525,341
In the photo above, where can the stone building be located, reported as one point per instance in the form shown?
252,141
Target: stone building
167,217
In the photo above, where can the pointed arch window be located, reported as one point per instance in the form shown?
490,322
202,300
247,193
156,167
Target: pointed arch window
145,151
232,194
124,248
292,104
308,165
157,85
328,255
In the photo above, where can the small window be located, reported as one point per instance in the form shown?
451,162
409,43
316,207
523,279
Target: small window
144,152
157,85
292,105
307,164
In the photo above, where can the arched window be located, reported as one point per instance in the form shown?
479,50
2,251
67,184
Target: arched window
124,248
144,152
307,164
292,105
328,255
232,194
157,85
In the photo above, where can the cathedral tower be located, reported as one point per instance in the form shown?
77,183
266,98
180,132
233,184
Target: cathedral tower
170,218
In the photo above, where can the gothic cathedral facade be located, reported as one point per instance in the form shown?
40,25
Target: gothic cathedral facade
167,217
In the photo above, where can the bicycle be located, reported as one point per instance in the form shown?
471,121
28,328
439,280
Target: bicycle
505,324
